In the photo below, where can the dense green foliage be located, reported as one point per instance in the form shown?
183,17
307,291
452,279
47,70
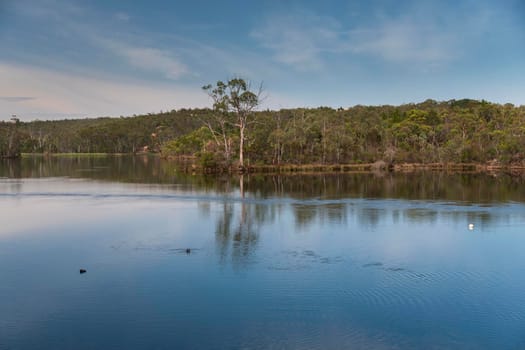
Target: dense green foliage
428,132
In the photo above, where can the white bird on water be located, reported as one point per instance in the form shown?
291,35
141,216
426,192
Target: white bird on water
470,227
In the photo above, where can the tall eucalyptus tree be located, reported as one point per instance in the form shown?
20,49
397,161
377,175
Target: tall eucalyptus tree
235,97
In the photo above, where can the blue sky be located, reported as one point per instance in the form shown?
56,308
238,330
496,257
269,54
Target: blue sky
61,58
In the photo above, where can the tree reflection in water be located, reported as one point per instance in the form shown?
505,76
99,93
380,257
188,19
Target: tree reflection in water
237,236
439,186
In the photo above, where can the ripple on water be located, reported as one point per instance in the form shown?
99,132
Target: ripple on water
373,264
289,260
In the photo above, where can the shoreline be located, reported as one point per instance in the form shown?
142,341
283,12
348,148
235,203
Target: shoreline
353,168
187,164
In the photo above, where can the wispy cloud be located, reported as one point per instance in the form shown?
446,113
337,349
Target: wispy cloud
122,16
147,58
404,40
299,39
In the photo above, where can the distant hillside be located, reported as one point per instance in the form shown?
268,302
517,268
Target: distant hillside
106,135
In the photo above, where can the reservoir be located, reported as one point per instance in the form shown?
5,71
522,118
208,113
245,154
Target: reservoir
275,261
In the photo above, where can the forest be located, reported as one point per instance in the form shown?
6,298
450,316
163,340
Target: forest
455,131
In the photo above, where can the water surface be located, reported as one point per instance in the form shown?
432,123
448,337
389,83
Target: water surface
361,261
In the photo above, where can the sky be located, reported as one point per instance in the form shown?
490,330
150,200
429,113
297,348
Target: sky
71,58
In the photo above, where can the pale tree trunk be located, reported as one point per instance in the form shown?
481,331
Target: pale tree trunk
226,148
225,143
241,146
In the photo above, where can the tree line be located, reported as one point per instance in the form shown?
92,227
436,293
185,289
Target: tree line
99,135
428,132
456,131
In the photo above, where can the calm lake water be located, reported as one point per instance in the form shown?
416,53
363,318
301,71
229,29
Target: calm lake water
360,261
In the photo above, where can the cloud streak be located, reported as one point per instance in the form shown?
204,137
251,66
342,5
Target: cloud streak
16,98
